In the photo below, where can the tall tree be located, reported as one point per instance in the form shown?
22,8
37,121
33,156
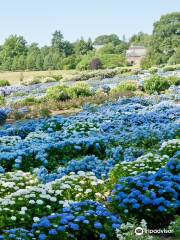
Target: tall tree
141,38
165,38
82,47
33,52
13,47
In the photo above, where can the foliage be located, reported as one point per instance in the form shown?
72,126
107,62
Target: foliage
125,87
59,93
104,39
156,84
171,68
3,117
4,83
147,163
82,47
95,64
165,39
140,39
80,90
175,58
62,93
2,100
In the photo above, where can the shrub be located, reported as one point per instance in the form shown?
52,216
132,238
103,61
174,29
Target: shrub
80,90
13,181
45,112
170,147
36,80
173,165
57,77
112,60
95,64
38,199
153,70
83,220
29,101
125,87
2,100
153,197
58,93
4,83
148,163
3,117
156,84
171,68
174,80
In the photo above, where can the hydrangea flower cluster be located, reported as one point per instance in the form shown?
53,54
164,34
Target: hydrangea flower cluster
170,147
13,181
149,163
153,197
83,220
25,205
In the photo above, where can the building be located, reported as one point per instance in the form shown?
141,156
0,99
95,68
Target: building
135,53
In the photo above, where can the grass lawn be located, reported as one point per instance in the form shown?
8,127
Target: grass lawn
14,77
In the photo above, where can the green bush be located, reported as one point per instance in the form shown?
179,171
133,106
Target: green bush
58,93
36,80
149,162
29,101
173,80
80,90
57,77
45,112
156,84
2,100
153,70
4,83
171,68
112,60
126,87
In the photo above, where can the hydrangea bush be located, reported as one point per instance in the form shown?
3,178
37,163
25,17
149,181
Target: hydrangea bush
25,205
149,163
153,197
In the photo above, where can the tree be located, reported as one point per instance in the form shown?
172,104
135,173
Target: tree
104,39
165,38
48,62
142,39
68,48
22,62
175,59
39,62
14,47
110,48
57,41
82,47
33,52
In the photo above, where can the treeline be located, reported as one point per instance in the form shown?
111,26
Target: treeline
16,54
107,51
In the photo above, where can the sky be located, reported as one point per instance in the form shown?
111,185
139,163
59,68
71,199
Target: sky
36,20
